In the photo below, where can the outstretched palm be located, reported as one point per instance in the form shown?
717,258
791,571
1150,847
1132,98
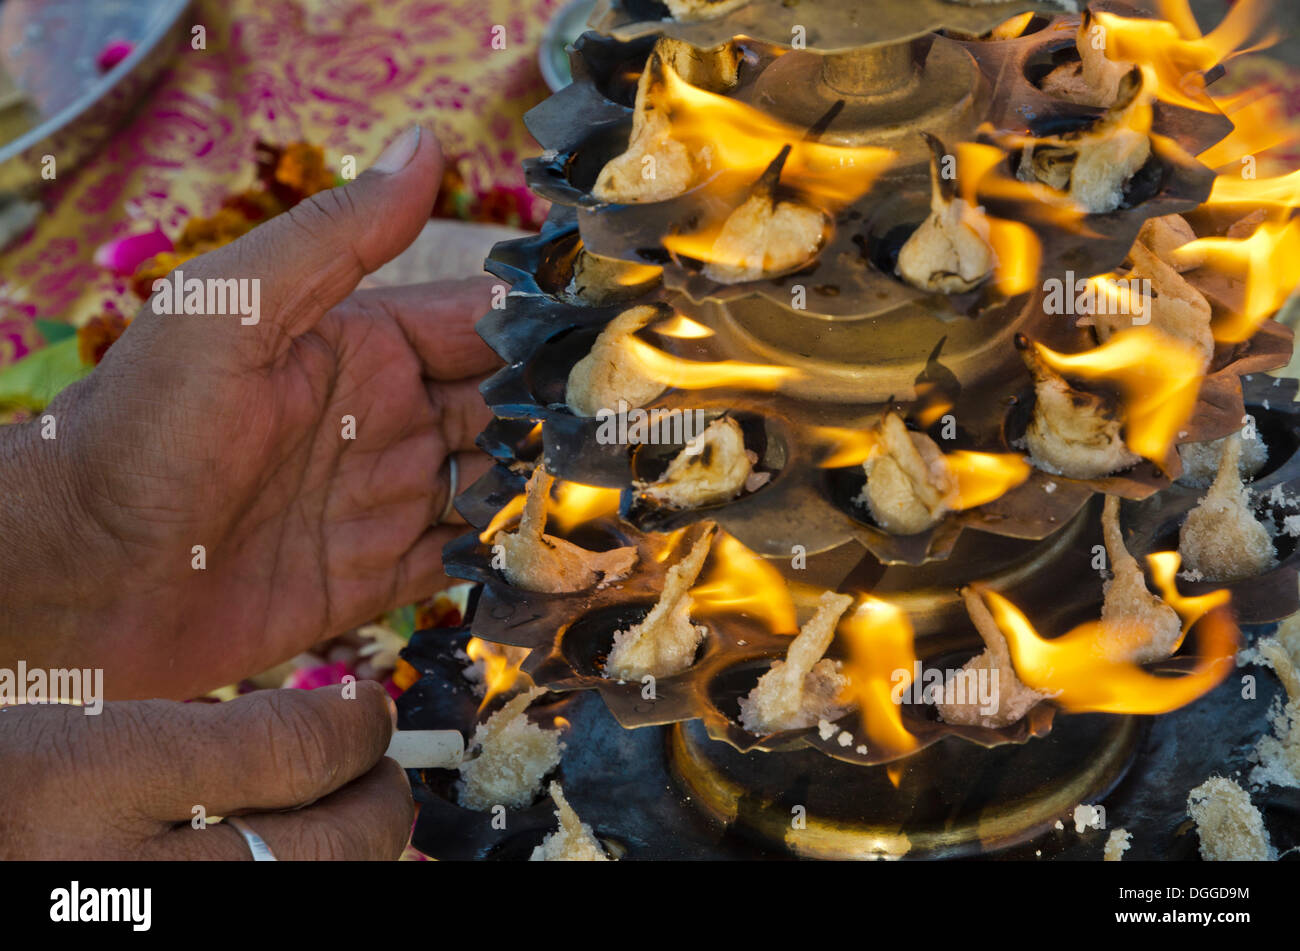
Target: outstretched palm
268,485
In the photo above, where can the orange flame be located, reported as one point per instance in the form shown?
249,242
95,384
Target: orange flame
500,666
1173,52
506,516
1159,376
739,581
844,446
571,504
673,371
981,476
1085,678
1009,30
1191,608
576,504
730,136
1265,262
1281,193
1259,124
632,273
683,328
880,641
984,476
1016,247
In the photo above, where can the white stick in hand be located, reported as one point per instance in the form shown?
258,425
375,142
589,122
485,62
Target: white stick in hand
427,749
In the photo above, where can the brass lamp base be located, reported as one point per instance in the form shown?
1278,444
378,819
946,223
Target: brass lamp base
950,800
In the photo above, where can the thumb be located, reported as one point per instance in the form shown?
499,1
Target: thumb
312,256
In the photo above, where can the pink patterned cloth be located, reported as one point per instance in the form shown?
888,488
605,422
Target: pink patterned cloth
347,75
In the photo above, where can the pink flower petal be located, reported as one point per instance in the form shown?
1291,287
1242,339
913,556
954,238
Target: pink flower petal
113,53
309,678
123,255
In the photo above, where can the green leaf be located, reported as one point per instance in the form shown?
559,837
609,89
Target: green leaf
52,331
402,621
36,379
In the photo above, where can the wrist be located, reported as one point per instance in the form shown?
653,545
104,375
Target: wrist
46,547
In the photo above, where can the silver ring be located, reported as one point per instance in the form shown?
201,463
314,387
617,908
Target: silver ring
256,844
454,476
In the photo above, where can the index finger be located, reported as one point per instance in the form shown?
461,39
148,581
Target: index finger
438,319
273,749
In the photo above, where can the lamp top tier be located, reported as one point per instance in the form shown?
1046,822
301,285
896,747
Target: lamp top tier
808,24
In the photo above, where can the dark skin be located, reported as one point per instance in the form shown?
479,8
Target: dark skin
203,431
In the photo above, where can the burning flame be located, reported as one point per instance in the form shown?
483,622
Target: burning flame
1076,666
880,641
689,374
1264,262
571,504
1010,29
507,515
981,476
1159,376
683,328
633,274
577,504
844,446
1115,297
1017,250
669,544
1259,124
1282,192
1173,52
1164,570
984,476
500,667
740,581
730,136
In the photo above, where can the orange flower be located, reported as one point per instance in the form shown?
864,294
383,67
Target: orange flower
286,176
222,228
302,169
404,675
160,265
98,334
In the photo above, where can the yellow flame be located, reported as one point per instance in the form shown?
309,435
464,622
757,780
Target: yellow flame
984,476
505,517
1281,192
683,328
1260,124
706,244
1159,377
739,581
1116,296
631,273
981,476
673,371
500,667
844,446
571,504
1009,30
1016,247
1085,678
880,642
669,544
1191,608
730,136
1173,52
575,504
1265,262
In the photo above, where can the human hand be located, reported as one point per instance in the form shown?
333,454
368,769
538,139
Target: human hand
130,782
206,431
